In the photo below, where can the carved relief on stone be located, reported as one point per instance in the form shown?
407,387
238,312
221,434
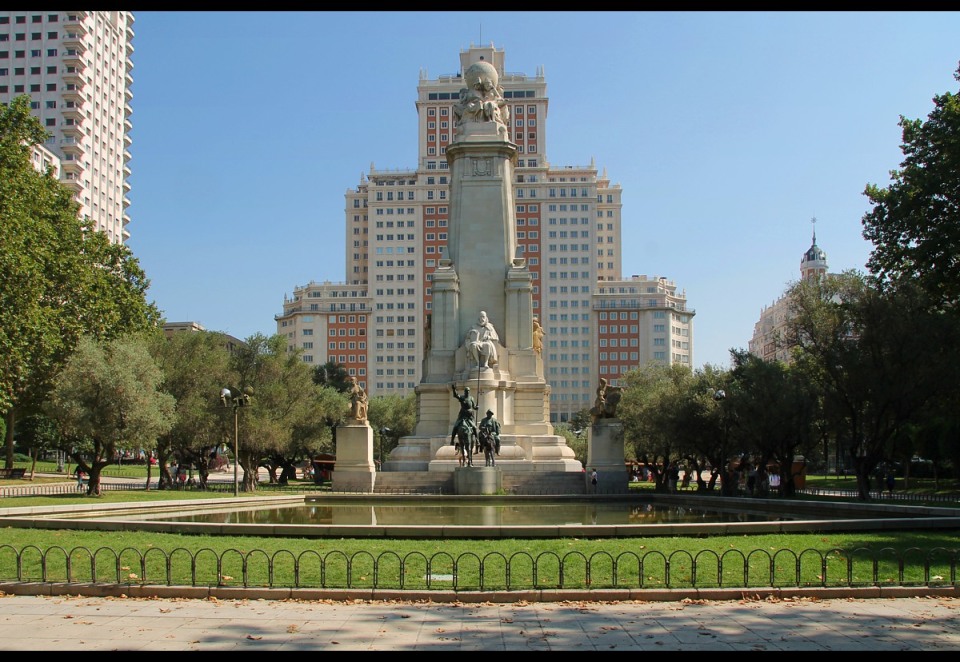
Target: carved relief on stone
482,167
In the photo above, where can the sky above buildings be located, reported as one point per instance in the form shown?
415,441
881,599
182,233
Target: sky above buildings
727,131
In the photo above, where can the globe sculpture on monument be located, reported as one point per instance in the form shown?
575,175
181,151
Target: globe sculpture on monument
482,322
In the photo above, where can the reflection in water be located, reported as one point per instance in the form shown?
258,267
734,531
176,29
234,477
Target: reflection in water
462,514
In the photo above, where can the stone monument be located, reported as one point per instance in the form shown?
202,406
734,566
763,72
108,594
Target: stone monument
482,322
605,450
355,470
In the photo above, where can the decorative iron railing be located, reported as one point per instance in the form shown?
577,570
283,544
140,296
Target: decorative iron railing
517,571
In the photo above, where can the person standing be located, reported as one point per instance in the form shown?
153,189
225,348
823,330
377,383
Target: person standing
593,480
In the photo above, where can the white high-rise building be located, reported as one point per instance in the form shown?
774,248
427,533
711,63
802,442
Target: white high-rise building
75,66
568,224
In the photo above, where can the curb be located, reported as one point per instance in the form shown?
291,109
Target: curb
473,597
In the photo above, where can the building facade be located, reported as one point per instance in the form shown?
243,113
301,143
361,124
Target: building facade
769,331
568,229
76,67
641,320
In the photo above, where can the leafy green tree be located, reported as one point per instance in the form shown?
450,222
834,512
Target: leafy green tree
650,409
879,359
109,394
61,279
707,423
915,221
284,404
396,413
332,374
777,409
37,434
195,366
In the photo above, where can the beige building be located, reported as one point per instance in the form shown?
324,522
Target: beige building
75,66
767,341
639,321
568,225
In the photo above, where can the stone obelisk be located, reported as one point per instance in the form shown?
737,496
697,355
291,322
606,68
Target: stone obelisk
482,279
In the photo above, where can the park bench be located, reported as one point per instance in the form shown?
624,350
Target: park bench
15,472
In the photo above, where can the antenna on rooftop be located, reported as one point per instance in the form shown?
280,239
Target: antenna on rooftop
814,222
481,33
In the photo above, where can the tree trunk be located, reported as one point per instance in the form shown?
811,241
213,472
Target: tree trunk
11,420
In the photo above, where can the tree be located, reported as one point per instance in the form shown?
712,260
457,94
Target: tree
879,358
650,410
332,374
109,393
777,409
396,413
915,221
195,367
61,278
286,400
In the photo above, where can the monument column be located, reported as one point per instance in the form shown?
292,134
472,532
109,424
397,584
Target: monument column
482,235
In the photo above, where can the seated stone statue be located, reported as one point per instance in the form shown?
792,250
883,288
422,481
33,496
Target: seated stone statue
481,342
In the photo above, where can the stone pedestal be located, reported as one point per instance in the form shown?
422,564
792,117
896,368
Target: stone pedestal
605,454
477,480
354,470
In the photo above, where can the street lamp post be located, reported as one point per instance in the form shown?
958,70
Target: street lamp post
230,397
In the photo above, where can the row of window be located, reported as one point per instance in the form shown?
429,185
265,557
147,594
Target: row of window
19,55
36,18
634,329
34,71
34,36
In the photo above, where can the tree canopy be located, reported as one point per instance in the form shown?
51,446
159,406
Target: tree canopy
109,396
915,221
61,279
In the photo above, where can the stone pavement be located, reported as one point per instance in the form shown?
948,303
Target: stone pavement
83,624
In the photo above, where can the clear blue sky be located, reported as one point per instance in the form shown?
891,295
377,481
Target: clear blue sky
728,132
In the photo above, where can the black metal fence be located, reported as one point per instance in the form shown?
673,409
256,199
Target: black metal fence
418,571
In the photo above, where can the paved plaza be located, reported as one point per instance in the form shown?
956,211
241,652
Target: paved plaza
83,624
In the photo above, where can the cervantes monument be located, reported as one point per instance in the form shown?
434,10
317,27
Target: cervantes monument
481,329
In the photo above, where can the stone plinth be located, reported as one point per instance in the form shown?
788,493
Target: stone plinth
477,480
354,470
605,454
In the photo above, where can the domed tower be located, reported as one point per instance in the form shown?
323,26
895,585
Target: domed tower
814,261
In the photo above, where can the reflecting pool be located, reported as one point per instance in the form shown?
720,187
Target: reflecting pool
543,513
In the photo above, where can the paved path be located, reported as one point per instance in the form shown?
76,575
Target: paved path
83,624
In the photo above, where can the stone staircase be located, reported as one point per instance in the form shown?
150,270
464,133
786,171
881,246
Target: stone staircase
437,482
413,482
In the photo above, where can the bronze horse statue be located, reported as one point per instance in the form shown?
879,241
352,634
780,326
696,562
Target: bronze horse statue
466,442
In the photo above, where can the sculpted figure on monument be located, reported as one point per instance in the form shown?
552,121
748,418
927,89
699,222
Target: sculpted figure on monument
608,397
465,419
482,100
481,342
358,401
538,334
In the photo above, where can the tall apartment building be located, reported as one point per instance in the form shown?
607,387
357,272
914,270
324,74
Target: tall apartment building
568,228
75,66
640,320
768,332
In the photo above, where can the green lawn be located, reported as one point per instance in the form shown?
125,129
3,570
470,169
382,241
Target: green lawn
746,560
